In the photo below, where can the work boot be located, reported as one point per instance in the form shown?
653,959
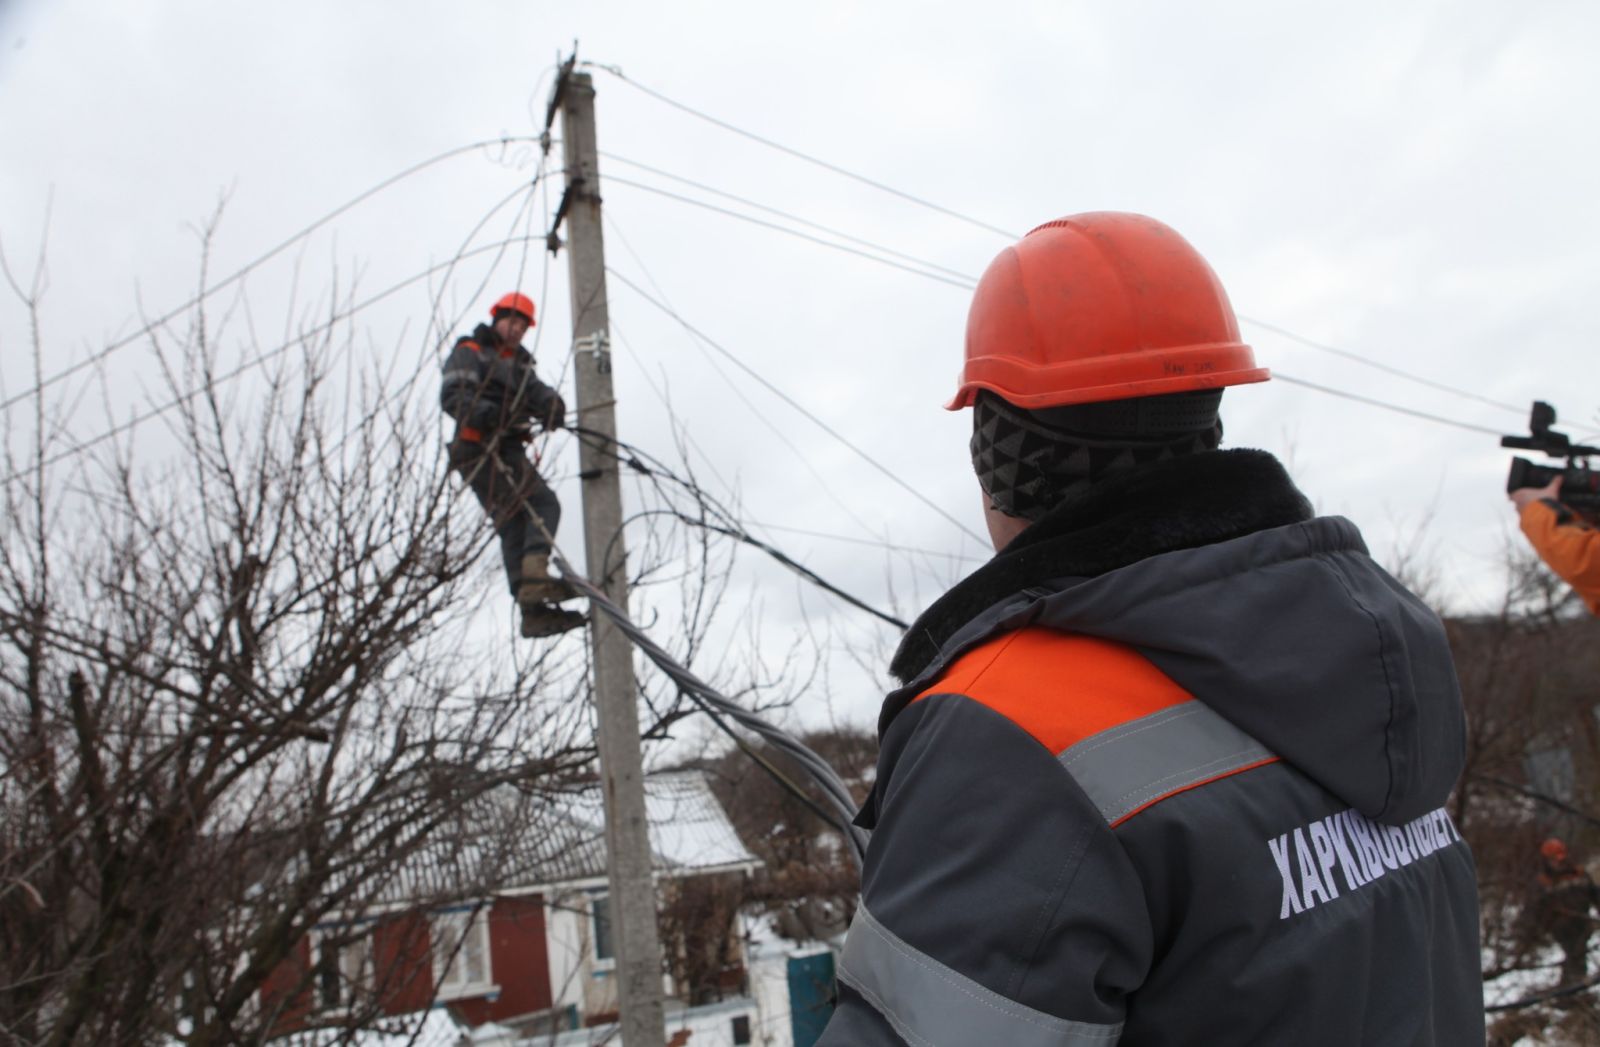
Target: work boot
537,586
549,620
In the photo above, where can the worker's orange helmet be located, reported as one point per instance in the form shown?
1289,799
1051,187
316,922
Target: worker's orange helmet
515,302
1100,306
1553,849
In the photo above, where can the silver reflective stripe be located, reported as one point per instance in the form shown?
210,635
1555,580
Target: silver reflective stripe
1132,764
930,1005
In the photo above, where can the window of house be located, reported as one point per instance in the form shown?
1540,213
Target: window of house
1551,771
741,1029
461,953
600,907
342,958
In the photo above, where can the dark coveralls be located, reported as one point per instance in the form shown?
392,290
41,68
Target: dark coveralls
494,396
1567,895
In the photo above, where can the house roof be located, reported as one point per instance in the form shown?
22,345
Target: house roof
512,839
689,830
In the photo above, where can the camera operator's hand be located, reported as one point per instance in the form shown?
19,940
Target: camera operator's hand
1523,495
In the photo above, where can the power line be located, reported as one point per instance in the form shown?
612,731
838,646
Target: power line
795,566
1280,376
833,788
968,283
878,543
258,360
792,232
807,157
1379,365
798,568
731,528
760,416
431,343
261,359
249,267
786,398
969,280
725,125
835,793
1275,372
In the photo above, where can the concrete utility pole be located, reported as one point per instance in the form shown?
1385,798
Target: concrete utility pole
633,899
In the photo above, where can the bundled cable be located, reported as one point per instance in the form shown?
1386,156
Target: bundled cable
835,793
841,806
730,527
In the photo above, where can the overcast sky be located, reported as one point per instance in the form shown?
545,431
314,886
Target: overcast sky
1414,183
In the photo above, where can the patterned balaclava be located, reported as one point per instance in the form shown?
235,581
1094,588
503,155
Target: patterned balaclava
1027,461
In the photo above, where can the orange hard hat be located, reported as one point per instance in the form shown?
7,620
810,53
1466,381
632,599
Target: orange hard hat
1553,849
1100,306
515,302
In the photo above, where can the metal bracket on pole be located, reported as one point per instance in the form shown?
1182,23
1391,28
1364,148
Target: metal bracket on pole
558,92
598,345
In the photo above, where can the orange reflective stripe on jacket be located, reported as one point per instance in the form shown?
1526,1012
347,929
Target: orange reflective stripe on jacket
1117,723
1568,545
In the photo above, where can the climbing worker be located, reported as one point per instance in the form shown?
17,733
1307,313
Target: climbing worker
491,391
1567,543
1171,767
1567,897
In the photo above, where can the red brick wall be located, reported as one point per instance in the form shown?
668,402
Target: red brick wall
403,963
519,962
402,966
283,989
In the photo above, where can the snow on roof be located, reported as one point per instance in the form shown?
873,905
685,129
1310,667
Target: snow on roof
688,828
511,839
432,1028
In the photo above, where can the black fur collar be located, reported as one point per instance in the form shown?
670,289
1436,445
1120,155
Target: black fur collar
1178,504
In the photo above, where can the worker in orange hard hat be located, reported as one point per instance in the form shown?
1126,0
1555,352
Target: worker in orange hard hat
1172,766
491,391
1567,897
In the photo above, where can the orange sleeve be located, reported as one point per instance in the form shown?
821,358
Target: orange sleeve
1570,547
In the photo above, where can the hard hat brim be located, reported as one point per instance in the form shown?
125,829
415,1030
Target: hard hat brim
1077,382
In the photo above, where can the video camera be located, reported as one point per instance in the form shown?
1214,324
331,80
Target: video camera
1580,485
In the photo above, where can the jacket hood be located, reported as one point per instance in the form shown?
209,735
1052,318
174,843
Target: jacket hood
1212,567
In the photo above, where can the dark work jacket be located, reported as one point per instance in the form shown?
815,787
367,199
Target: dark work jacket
1170,769
493,388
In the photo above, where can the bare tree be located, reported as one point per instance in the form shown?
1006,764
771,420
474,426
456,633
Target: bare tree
243,686
1528,676
256,717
